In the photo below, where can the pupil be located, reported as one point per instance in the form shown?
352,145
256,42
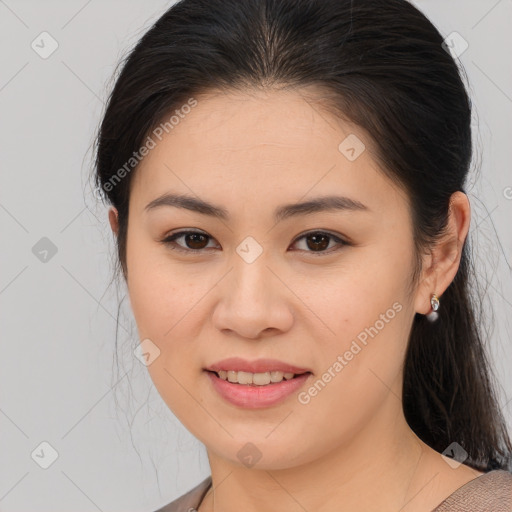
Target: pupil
194,241
315,238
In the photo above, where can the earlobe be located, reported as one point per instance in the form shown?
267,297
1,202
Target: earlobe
113,219
427,286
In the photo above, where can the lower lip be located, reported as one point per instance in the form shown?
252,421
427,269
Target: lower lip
256,397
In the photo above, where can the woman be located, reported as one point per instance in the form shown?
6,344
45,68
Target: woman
286,181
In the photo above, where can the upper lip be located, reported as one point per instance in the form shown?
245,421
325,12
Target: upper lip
256,366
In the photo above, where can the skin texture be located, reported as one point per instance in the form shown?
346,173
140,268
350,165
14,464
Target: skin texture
250,153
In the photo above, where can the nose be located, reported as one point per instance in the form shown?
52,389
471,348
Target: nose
254,302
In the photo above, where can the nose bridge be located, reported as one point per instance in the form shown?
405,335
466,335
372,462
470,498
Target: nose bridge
251,301
250,283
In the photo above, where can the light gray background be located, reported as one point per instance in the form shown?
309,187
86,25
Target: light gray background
58,381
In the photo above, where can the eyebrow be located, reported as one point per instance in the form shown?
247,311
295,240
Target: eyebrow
316,205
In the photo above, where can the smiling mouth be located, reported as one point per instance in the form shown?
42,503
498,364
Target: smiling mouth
255,379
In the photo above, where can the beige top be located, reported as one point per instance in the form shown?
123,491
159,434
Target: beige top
490,492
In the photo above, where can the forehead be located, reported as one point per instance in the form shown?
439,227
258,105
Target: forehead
276,145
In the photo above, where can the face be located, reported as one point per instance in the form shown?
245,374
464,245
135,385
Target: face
323,289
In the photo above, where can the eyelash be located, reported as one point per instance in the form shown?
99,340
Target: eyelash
170,242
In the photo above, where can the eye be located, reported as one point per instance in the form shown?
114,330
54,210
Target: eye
196,241
318,241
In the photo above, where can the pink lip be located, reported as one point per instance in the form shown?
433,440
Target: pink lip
258,366
256,397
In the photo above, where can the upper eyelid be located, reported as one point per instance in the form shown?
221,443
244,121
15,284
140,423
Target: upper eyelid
340,239
300,235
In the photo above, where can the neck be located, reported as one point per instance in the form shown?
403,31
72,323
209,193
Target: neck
384,466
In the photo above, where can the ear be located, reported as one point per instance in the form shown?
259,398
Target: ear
441,265
113,219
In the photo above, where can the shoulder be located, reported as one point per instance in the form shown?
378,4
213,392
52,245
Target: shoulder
189,501
490,491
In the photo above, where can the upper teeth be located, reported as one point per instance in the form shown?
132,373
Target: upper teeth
259,379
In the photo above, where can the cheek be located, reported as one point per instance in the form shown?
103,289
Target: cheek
360,313
167,310
158,295
166,305
346,298
359,366
151,301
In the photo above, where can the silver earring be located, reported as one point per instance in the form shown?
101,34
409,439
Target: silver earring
434,304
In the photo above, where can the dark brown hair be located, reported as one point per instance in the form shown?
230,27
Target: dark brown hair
384,68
